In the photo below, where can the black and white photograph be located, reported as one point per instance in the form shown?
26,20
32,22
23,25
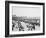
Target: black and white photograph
25,18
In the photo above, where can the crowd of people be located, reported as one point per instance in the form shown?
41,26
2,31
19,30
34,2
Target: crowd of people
23,26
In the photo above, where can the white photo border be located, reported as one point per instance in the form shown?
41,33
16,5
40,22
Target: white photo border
24,32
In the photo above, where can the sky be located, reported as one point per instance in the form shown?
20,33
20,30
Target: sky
26,11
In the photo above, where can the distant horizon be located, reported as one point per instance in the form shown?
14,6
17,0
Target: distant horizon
24,16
